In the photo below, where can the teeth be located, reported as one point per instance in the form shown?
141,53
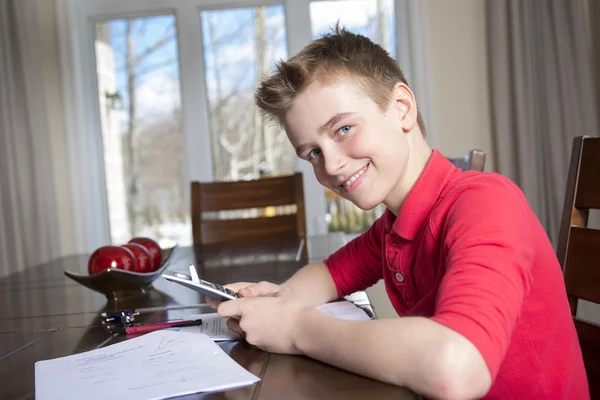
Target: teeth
355,177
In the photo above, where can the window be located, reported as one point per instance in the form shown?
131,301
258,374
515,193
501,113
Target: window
175,83
241,45
140,112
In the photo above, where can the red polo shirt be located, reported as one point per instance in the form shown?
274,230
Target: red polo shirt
467,251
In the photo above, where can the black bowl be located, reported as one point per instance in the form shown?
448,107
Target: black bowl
116,283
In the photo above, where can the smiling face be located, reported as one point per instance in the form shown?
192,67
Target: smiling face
357,150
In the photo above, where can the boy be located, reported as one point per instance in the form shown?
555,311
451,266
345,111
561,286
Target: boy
466,264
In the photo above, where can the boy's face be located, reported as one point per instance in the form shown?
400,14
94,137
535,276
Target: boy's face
356,150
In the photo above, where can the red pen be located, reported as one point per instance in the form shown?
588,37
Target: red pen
155,327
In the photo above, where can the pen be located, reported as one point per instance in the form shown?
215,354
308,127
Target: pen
154,327
165,308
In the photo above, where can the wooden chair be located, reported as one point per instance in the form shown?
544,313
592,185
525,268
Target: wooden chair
578,248
475,160
256,218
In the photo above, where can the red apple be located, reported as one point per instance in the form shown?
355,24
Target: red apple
153,248
111,257
142,257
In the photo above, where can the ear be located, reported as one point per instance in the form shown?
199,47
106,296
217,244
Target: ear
405,105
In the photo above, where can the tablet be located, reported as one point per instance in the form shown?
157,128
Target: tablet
209,289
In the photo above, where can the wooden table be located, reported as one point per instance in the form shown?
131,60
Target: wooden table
44,314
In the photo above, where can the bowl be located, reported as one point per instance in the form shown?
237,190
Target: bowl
117,283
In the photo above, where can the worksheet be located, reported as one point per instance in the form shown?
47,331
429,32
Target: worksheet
157,365
213,326
344,310
216,327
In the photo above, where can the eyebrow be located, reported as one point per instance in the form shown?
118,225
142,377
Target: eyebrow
334,120
327,125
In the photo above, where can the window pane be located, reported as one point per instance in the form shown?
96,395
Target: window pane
374,19
140,111
241,46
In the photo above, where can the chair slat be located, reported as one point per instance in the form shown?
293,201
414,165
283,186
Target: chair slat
588,185
582,264
247,194
578,249
251,229
569,213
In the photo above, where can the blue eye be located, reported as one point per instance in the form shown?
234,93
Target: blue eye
344,129
314,153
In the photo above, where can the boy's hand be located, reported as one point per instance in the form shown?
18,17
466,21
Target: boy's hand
248,289
269,323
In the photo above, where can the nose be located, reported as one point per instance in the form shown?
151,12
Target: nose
333,160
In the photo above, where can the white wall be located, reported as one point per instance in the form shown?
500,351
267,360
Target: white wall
461,100
460,89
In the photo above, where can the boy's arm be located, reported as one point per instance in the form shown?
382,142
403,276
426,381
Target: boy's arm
415,352
313,285
489,247
355,266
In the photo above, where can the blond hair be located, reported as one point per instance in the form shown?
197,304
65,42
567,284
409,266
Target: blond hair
339,54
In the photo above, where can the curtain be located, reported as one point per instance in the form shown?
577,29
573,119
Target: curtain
28,225
542,95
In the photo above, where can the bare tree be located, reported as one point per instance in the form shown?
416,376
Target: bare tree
133,62
236,129
161,177
239,128
216,117
243,147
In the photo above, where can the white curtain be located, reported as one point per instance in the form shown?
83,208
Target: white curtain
28,224
542,85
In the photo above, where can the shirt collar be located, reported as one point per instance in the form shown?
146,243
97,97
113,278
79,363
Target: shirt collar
421,198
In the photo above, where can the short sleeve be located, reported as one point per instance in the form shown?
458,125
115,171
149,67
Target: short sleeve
489,245
358,265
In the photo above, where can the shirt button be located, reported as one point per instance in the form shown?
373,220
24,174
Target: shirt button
399,277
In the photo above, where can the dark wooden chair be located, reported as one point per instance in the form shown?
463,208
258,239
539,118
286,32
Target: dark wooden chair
578,248
475,160
249,211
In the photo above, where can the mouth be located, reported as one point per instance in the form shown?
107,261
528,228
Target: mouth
348,184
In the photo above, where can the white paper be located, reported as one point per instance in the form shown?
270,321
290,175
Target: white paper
158,365
216,327
344,310
213,326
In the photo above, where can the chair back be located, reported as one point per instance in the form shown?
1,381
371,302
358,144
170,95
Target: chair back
475,161
578,248
249,211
